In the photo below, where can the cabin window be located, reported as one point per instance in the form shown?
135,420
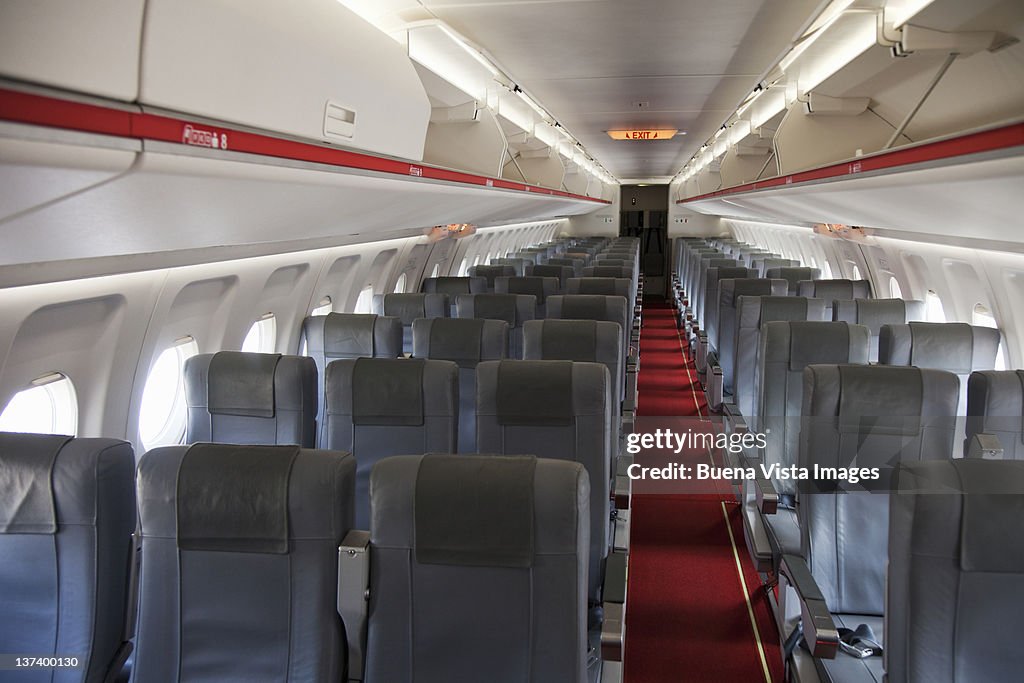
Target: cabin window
47,406
826,270
934,312
894,288
365,300
323,307
856,271
262,337
476,260
436,270
400,284
163,410
463,267
982,317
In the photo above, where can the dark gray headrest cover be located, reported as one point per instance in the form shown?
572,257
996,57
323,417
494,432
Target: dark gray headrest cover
528,285
880,400
552,271
242,383
387,391
877,312
783,308
598,285
733,273
457,339
407,307
452,285
234,498
534,393
26,482
584,307
947,346
496,307
811,343
569,340
348,334
611,271
475,510
491,272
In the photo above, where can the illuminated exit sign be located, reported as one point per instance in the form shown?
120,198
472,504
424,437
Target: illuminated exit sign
641,134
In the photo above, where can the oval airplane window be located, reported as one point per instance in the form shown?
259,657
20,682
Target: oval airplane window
48,406
364,303
400,285
983,317
323,307
856,272
262,336
894,288
463,267
436,270
163,411
934,312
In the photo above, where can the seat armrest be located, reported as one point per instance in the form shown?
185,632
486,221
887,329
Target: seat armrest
613,628
985,446
819,629
354,597
765,493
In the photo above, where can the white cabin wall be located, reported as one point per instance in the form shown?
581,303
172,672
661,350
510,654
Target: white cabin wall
105,333
602,221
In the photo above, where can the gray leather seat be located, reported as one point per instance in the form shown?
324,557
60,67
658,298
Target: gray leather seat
605,286
995,405
538,287
729,292
955,587
834,290
514,309
363,416
251,398
700,279
67,514
877,312
350,335
863,416
591,341
465,342
479,569
752,312
239,563
563,273
531,257
712,298
786,348
409,307
794,276
554,409
489,273
957,347
594,307
518,264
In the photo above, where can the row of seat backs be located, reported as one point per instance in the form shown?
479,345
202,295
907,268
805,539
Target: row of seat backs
858,550
226,588
377,407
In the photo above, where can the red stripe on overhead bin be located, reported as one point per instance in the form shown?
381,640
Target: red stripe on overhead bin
39,110
42,110
1005,137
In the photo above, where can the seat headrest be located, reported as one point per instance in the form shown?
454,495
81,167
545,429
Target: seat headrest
534,393
497,307
387,391
242,383
26,480
234,498
348,335
603,285
569,340
584,307
537,286
456,339
784,308
552,271
475,510
450,285
733,272
880,400
732,288
947,346
812,343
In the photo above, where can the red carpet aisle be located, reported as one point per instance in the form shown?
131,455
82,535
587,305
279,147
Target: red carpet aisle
688,617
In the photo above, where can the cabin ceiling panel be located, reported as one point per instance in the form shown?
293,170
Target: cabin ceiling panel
588,61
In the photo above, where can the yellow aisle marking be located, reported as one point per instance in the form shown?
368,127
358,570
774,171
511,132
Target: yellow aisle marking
746,596
689,377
